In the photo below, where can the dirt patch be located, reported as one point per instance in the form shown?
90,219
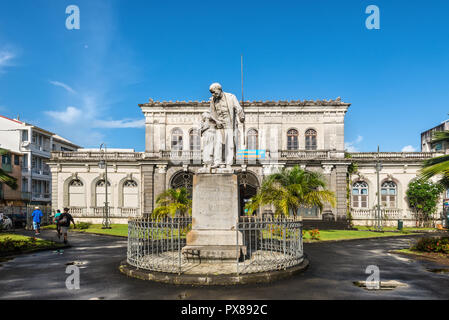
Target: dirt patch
382,285
440,271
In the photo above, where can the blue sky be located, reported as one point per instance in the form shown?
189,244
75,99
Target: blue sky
85,84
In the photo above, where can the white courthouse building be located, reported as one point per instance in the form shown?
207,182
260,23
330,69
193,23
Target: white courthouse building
305,133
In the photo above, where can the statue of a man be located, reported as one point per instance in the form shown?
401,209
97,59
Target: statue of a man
225,108
208,133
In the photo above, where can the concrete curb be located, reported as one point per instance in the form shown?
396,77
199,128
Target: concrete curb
210,279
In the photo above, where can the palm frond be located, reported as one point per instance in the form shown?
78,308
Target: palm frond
8,180
440,136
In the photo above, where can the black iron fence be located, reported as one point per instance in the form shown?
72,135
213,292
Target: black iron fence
268,244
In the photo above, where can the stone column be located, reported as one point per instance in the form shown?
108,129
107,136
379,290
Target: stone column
327,172
148,189
159,181
54,189
149,134
341,171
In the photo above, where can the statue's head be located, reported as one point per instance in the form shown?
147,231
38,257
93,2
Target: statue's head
215,89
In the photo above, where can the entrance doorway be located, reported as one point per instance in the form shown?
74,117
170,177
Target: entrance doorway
248,186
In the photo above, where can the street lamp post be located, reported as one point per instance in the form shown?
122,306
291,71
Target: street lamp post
103,164
378,217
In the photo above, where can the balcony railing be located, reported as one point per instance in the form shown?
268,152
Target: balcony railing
97,212
40,196
43,148
26,195
387,213
195,156
392,155
45,172
77,155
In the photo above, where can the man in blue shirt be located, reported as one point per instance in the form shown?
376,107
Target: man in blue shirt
37,218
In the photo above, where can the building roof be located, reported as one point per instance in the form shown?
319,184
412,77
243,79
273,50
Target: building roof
14,120
331,102
58,137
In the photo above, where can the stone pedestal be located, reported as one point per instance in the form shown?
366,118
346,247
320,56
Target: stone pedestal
214,235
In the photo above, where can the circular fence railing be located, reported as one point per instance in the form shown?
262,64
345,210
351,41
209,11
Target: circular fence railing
269,244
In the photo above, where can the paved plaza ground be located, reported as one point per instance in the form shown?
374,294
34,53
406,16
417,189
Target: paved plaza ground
333,269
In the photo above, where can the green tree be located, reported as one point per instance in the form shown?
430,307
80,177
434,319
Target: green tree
4,177
438,166
291,189
423,196
172,202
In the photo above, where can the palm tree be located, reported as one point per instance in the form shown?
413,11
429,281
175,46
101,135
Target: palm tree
172,202
438,165
4,177
291,189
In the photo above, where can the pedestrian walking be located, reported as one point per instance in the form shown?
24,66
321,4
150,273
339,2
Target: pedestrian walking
37,218
64,223
58,228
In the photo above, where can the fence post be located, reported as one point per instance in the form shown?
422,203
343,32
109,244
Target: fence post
237,245
179,249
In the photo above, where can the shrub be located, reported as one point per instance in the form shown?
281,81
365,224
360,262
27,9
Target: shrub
83,225
10,245
314,234
439,244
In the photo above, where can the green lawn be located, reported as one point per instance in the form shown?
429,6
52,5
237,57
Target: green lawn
116,229
362,228
325,235
328,235
13,244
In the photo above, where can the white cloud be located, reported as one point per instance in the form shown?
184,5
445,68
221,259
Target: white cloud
69,116
6,57
408,148
351,146
63,85
126,123
75,116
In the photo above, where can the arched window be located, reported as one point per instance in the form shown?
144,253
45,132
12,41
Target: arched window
311,140
182,179
292,139
388,194
195,140
360,194
176,139
130,194
252,140
100,192
76,193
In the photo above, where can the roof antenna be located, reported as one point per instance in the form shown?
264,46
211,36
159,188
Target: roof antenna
18,116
